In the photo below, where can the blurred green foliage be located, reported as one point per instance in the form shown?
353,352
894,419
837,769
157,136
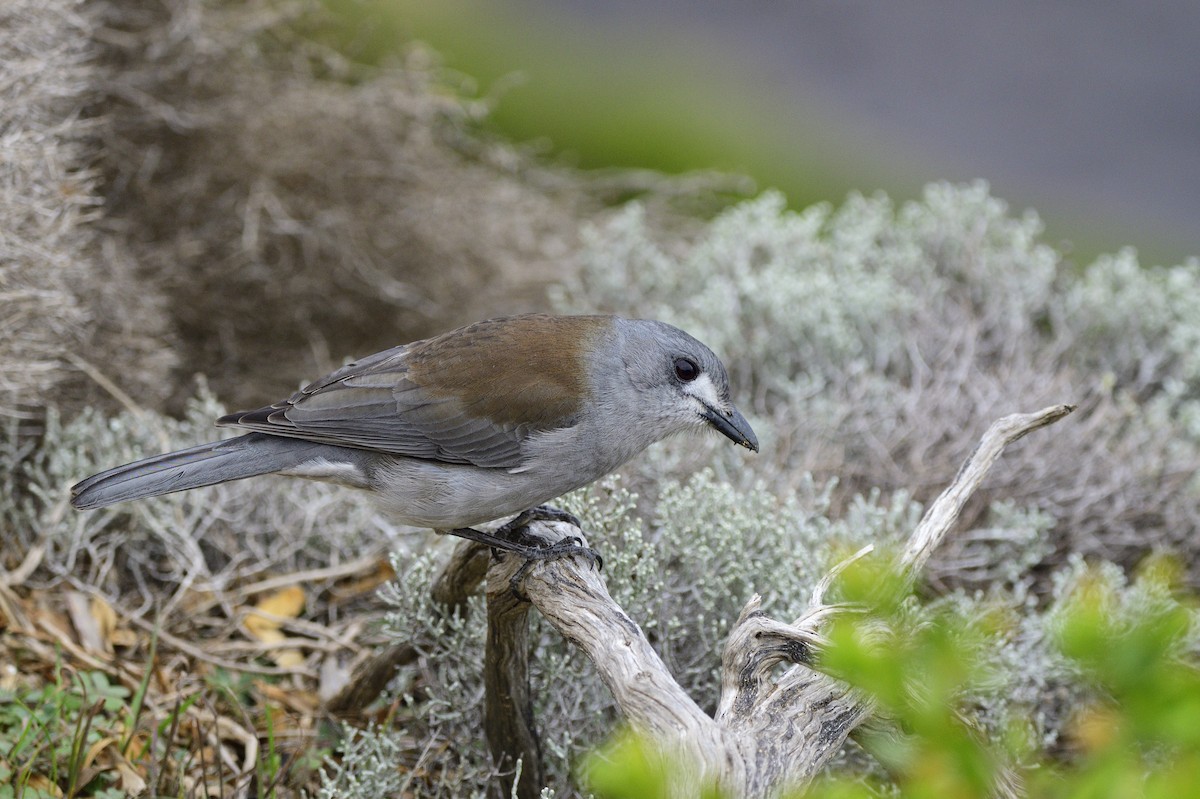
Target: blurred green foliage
594,94
661,103
628,766
1138,737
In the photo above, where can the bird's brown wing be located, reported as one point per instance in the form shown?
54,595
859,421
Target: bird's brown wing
472,396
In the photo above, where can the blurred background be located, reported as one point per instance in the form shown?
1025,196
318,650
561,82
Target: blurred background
1089,112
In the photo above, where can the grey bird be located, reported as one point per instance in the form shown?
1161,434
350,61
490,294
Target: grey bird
477,424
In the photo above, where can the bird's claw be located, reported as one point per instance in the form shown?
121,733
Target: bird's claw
515,537
566,547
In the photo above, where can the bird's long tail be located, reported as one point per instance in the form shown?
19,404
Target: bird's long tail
205,465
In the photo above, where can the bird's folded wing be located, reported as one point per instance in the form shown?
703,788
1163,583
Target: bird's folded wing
377,404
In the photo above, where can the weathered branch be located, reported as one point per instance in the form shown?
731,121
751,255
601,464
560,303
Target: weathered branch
944,511
508,705
771,731
572,595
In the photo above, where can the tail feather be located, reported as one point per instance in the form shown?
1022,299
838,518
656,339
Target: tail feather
204,465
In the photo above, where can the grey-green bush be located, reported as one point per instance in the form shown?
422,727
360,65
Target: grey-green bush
875,343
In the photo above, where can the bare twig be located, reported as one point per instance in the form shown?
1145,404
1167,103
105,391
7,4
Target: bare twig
944,511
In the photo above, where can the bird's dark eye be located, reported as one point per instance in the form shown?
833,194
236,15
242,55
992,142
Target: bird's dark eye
686,369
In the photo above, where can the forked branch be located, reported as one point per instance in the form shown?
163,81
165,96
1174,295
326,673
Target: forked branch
771,731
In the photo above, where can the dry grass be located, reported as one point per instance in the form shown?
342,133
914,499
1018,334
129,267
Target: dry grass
211,698
65,287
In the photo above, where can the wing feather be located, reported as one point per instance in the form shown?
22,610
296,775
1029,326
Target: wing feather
438,399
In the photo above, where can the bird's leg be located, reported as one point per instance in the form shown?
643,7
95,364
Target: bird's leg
514,537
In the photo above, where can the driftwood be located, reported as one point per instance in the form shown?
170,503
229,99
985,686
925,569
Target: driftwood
772,731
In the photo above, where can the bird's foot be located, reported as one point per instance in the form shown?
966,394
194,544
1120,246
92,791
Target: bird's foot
514,537
563,548
518,530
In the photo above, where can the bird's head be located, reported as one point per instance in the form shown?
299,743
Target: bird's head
675,382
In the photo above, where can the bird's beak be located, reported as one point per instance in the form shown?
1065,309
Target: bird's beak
733,426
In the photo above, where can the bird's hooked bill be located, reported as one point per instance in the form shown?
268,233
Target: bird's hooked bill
733,426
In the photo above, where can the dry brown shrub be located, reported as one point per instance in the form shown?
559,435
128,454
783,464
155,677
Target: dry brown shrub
295,209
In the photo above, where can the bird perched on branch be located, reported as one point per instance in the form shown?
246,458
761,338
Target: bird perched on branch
483,422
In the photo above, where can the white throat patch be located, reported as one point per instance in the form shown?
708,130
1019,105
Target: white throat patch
702,388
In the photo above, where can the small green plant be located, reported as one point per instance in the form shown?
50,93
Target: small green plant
46,732
79,733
